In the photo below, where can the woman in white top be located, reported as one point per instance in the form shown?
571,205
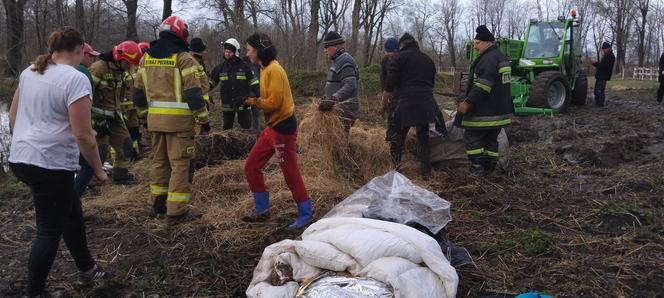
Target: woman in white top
50,121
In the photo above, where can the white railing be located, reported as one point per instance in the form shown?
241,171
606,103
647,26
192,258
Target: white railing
645,73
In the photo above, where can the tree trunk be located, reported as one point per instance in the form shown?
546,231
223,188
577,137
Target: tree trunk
168,9
59,18
238,17
15,20
80,17
355,27
313,34
132,6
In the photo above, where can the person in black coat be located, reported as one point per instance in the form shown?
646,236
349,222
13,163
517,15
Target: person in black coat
411,77
660,78
391,49
603,74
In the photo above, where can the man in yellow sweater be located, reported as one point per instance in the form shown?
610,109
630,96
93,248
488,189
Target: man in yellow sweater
279,138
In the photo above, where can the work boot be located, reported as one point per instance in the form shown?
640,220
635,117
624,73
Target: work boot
190,215
262,205
97,273
489,165
425,170
304,215
122,176
159,205
476,168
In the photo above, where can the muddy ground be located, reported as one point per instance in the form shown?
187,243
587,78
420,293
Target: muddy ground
578,214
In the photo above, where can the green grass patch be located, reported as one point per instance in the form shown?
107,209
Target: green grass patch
12,188
530,242
622,208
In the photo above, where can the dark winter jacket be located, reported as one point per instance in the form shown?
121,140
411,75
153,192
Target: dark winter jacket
343,83
384,65
237,82
488,92
660,78
411,77
605,67
256,68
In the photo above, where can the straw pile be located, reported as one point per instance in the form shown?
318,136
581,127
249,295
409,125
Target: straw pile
216,147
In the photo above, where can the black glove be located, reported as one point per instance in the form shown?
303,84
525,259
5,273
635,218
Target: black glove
326,105
205,128
102,125
238,101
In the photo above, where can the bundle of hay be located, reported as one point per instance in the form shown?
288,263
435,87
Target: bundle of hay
216,147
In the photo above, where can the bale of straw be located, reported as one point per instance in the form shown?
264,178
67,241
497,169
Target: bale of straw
216,147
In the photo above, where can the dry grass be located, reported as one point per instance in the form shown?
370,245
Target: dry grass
567,229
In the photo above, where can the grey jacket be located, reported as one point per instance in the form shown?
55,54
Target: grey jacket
343,83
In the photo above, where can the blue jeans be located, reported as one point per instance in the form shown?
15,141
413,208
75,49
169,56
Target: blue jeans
84,175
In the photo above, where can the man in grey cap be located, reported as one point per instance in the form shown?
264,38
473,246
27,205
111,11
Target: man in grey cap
343,78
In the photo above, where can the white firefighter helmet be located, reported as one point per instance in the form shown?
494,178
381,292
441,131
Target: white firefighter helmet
233,42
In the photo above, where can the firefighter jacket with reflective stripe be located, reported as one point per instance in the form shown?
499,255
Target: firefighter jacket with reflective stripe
236,79
128,78
488,92
108,86
204,76
172,91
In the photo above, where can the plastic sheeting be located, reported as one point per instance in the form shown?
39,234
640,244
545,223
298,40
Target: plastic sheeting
330,284
392,197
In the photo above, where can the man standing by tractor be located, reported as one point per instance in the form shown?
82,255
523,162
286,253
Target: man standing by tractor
237,84
108,120
169,92
488,104
343,81
603,74
660,78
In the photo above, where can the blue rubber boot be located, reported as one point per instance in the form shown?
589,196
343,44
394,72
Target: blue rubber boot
262,205
305,215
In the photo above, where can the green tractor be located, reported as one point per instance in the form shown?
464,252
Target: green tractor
546,77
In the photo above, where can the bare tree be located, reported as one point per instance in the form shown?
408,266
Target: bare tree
80,16
450,17
641,20
132,6
331,15
168,9
15,21
312,34
355,27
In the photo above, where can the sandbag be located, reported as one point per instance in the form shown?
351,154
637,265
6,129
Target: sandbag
452,149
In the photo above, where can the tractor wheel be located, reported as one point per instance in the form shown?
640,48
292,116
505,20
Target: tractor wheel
550,90
580,92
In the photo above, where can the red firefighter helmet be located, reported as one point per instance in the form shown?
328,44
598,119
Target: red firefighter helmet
176,26
128,51
144,46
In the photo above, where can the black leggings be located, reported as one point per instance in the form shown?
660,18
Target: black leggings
58,214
